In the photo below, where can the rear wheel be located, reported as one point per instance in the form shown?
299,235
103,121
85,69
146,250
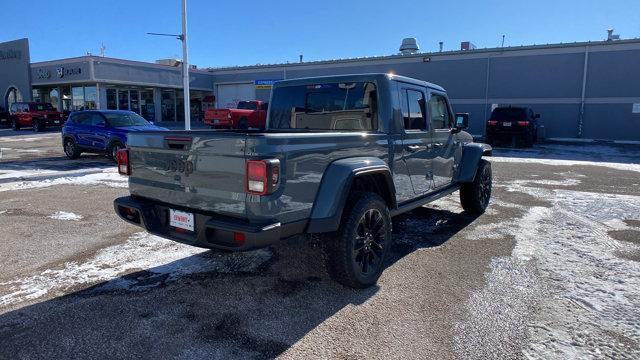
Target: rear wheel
475,196
356,253
113,149
71,149
15,125
243,124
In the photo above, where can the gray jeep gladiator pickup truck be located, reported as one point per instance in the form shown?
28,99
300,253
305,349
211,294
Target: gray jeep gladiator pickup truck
340,156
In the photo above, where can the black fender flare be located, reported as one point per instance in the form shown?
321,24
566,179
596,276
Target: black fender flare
335,185
471,155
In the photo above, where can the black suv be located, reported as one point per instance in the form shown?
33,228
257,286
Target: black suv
513,123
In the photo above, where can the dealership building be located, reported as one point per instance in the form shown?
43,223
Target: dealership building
587,90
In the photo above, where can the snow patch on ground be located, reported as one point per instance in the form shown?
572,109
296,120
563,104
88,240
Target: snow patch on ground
559,162
64,215
160,260
591,299
109,177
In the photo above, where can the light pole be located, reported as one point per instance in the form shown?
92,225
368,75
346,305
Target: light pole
185,65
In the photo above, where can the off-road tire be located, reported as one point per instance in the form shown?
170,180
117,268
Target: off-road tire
113,149
71,149
353,240
15,126
475,196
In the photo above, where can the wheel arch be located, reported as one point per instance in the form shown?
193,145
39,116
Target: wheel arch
339,179
471,155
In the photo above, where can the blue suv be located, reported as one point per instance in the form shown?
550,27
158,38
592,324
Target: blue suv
101,131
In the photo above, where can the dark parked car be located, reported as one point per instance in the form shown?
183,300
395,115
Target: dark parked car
340,156
37,115
101,131
4,117
513,123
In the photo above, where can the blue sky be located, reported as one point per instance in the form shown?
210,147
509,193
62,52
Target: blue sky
227,33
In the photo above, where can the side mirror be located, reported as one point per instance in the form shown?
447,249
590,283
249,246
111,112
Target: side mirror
462,121
536,116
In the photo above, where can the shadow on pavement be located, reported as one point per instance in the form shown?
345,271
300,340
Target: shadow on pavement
60,163
255,314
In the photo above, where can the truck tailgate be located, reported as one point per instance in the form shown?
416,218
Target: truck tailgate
193,169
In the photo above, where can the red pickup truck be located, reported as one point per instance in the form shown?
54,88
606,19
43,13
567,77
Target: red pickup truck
248,114
37,115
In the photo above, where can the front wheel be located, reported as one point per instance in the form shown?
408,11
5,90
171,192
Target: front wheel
38,126
356,253
243,124
475,196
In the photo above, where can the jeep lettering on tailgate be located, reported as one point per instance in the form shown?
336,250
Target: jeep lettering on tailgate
180,166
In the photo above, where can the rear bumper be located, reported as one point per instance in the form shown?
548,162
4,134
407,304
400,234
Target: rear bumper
220,122
496,131
211,231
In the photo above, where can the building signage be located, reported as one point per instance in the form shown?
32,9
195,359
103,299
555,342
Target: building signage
43,74
10,54
265,84
62,72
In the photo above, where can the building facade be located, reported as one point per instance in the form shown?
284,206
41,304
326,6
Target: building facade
581,90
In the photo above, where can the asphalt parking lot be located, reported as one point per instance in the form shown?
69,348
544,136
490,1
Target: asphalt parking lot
550,271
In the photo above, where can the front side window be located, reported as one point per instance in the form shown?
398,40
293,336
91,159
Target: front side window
125,119
440,116
330,106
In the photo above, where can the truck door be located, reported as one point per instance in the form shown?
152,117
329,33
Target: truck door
444,145
417,138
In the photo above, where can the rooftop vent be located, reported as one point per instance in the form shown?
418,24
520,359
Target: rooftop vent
611,36
409,46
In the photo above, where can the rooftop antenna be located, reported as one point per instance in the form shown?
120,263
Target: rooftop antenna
102,49
502,46
441,45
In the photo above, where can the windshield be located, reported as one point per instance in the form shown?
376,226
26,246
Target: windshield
332,106
247,105
508,114
125,119
40,107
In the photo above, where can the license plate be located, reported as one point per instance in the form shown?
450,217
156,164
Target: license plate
216,121
181,219
506,123
56,121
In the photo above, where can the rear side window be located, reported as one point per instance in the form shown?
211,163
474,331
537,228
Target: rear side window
413,109
328,106
247,105
439,110
14,107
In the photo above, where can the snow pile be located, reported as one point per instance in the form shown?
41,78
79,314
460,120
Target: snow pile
559,162
64,215
162,260
108,177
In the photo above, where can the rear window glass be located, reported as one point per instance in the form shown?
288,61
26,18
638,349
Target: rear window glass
40,107
247,105
329,106
508,113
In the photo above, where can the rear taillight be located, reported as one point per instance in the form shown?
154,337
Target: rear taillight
229,115
523,123
262,176
492,122
122,156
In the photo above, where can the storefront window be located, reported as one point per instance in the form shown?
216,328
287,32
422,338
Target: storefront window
54,97
77,98
133,98
179,105
112,99
123,99
35,93
147,108
90,97
168,105
66,98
